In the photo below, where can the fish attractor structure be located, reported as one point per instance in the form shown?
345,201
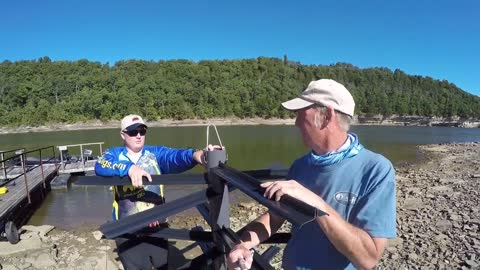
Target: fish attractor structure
213,204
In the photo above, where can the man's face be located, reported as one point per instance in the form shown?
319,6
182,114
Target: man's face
135,139
305,122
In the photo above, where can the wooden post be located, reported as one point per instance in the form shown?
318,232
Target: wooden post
101,150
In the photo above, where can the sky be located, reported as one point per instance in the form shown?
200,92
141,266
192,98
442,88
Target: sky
435,38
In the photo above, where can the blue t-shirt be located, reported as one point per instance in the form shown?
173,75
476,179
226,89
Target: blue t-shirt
361,189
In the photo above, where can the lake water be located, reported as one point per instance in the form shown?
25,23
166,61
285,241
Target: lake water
249,147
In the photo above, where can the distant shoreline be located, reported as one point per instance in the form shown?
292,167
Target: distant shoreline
231,121
112,124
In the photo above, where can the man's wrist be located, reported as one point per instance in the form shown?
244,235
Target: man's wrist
246,245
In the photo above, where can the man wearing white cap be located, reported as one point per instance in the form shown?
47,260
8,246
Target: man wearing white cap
354,186
137,160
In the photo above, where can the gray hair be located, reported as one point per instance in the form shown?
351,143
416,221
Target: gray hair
343,120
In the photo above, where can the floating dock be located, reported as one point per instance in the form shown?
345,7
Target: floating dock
25,193
28,177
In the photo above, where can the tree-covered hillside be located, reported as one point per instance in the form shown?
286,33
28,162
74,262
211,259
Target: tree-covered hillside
38,92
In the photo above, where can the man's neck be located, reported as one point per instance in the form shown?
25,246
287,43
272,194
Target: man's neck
330,142
133,155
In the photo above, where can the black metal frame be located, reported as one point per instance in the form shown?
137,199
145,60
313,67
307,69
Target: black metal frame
213,204
172,179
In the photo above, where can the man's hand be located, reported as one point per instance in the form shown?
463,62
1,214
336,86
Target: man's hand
198,156
154,224
136,174
239,258
275,190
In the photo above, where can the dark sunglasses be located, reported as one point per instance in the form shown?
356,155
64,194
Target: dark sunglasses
134,133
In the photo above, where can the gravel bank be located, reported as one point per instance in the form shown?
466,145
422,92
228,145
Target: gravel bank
438,219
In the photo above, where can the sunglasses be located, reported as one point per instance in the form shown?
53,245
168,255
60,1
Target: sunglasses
134,133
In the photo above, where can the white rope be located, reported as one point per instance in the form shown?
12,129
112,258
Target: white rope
216,131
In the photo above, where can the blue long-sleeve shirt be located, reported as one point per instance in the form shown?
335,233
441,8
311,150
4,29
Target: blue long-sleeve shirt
155,160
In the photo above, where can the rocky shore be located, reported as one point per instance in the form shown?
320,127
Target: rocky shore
414,120
438,211
438,220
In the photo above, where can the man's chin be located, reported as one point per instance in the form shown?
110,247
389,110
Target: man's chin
137,147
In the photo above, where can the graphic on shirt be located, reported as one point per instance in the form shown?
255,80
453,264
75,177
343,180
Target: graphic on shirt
345,198
132,200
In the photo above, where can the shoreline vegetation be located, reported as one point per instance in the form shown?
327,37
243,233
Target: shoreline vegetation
358,120
438,220
41,91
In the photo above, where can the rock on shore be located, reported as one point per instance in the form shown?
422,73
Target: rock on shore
438,220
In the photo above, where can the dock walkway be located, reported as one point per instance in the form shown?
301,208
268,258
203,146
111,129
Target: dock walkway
25,194
27,177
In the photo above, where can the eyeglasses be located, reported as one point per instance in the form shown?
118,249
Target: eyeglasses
134,133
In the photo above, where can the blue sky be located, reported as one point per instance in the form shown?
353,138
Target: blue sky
435,38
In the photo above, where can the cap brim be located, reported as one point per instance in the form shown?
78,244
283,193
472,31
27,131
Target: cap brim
296,104
135,126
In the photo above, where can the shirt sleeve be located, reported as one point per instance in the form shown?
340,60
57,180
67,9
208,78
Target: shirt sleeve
375,211
110,165
171,160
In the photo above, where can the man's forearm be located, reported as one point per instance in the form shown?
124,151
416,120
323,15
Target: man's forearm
354,243
261,229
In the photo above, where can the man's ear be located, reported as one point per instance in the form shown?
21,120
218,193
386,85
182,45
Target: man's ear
329,113
328,116
122,135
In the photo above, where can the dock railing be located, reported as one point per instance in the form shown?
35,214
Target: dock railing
3,155
22,155
85,154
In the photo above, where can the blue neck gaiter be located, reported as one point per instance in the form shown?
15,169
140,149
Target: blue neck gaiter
351,148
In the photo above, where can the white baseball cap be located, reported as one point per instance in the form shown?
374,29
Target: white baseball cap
324,92
131,122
